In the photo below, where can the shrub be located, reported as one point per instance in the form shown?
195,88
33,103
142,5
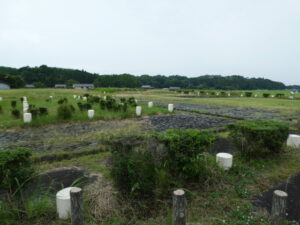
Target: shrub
15,168
133,171
102,104
83,106
110,103
64,111
93,99
13,104
223,93
131,101
185,157
62,101
259,138
279,95
43,111
16,113
1,109
34,111
266,95
248,94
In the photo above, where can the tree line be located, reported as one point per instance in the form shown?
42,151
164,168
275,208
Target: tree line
44,76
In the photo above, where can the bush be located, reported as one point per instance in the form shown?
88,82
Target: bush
185,157
16,113
83,106
133,171
1,109
34,111
259,138
266,95
43,111
131,101
279,95
248,94
93,99
15,168
62,101
64,111
13,104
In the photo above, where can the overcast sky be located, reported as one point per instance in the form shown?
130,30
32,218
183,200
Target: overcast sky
253,38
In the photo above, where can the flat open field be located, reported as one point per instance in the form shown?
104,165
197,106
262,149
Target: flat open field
86,144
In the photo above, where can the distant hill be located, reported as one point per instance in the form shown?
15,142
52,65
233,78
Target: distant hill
45,76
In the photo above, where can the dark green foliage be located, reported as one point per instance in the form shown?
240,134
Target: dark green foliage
34,111
62,101
1,109
72,108
259,138
15,168
14,80
83,106
223,93
86,95
266,95
93,99
21,99
102,104
279,95
13,103
49,76
110,103
186,92
124,107
134,173
43,111
248,94
64,111
185,157
16,113
212,93
131,102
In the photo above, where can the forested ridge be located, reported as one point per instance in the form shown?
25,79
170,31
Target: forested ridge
44,76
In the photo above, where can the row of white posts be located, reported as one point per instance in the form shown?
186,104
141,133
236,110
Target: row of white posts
138,109
69,203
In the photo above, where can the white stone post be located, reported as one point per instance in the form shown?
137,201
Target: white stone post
170,107
224,160
27,117
91,113
150,104
138,110
63,203
293,141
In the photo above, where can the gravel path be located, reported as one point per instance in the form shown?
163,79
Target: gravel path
186,121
